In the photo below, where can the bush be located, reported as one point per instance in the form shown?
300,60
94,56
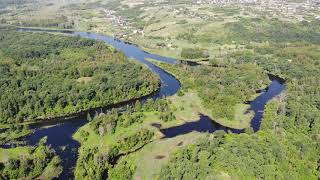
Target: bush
194,53
31,165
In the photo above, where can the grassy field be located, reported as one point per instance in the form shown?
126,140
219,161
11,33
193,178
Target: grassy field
192,105
152,157
51,169
167,27
15,153
241,118
186,109
103,142
149,160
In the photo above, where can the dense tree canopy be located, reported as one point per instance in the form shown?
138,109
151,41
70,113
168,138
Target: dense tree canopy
44,75
97,161
40,160
220,88
287,146
273,30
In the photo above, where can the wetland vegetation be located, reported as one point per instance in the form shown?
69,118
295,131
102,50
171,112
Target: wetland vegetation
237,46
30,162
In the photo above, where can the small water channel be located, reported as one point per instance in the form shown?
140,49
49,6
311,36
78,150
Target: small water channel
205,124
59,131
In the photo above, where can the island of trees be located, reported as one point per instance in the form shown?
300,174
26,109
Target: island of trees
45,75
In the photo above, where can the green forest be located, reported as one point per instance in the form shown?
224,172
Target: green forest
220,89
226,52
45,75
37,162
287,146
125,132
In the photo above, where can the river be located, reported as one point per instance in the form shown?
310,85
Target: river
60,132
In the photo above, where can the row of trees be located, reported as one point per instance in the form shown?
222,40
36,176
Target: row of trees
194,53
14,131
61,22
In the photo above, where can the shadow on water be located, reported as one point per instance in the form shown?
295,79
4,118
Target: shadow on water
258,105
60,138
206,124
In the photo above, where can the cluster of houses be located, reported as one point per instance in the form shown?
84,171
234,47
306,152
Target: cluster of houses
273,8
116,20
290,10
223,2
185,12
124,24
287,9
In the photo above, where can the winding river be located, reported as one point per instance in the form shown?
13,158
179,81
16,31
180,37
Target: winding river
60,132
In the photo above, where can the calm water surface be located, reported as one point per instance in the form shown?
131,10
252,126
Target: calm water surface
61,135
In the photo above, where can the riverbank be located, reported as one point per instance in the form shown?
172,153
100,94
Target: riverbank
159,52
60,136
180,116
283,139
62,119
186,110
57,113
81,114
242,117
